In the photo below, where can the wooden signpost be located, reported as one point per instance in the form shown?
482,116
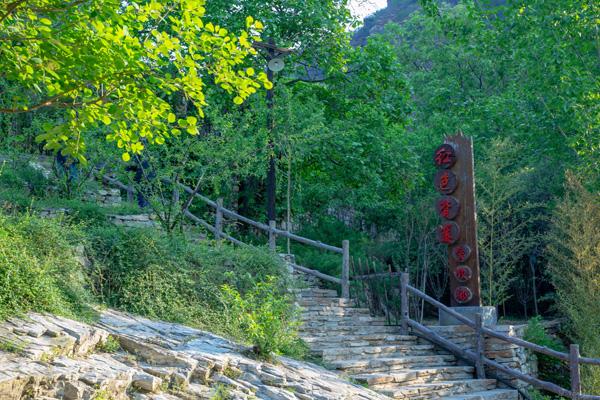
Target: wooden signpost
455,182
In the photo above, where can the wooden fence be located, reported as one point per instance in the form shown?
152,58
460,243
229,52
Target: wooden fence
477,357
271,230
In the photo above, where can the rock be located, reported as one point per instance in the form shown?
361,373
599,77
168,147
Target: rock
158,361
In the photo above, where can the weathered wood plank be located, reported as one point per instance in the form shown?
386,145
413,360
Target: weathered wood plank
318,274
378,275
480,346
212,229
404,280
345,269
575,371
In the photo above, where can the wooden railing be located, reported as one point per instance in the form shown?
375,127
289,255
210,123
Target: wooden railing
271,229
478,358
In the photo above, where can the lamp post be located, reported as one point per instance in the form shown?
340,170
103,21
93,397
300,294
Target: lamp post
275,64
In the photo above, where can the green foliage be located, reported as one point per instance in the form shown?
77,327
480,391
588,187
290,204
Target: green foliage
11,347
166,277
110,345
266,317
574,268
38,271
506,218
550,368
23,176
112,65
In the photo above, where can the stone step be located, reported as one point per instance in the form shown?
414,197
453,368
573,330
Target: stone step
368,352
325,301
335,310
347,330
357,339
440,389
358,317
313,292
361,366
416,375
494,394
331,322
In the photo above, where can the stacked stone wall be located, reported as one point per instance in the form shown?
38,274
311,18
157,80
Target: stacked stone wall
505,353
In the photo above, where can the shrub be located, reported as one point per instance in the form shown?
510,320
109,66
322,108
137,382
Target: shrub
550,368
38,271
21,175
265,317
166,277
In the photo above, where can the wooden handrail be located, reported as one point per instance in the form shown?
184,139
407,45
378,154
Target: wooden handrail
573,358
264,227
487,331
316,273
472,357
270,229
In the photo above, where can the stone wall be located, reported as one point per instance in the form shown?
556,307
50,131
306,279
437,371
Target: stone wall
134,221
505,353
104,197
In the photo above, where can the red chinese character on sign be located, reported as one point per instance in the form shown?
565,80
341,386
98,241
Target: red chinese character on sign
463,273
444,156
448,233
444,179
463,294
461,253
445,205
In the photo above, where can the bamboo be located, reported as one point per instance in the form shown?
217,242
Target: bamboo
377,275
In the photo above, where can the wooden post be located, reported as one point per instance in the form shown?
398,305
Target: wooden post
575,372
345,269
272,236
479,346
455,181
130,197
404,279
219,219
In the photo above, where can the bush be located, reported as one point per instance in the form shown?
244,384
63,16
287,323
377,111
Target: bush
38,270
265,317
550,368
166,277
574,268
21,175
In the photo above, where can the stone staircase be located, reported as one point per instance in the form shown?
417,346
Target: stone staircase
361,346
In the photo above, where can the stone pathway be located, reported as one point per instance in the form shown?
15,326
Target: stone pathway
352,342
50,358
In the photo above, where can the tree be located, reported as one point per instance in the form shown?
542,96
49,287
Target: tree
111,65
505,233
316,32
574,269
